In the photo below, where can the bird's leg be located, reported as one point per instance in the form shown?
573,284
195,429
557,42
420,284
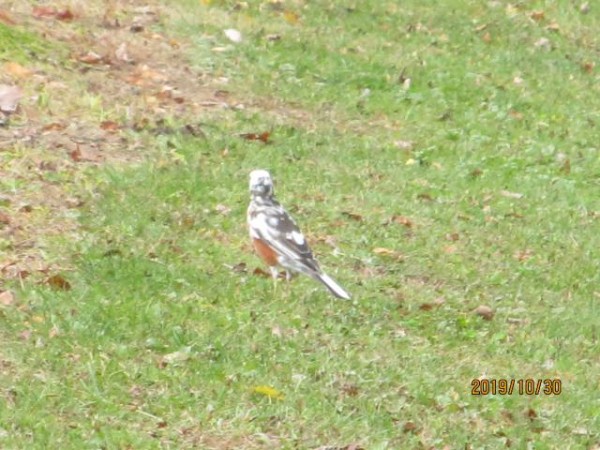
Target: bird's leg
274,274
288,278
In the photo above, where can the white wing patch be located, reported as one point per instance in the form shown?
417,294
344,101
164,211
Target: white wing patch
273,221
297,237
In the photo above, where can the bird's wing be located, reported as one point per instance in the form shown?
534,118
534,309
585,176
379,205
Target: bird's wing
275,226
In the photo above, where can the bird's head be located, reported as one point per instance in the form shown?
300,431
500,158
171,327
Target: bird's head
261,183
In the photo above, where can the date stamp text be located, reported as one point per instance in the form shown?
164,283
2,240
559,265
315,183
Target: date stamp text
521,386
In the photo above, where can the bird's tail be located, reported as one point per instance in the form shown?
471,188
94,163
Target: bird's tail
333,287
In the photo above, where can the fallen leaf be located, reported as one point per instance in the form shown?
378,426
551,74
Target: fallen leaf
434,304
54,126
25,335
9,98
401,220
17,70
381,251
91,58
484,312
6,19
261,273
543,43
110,126
350,389
530,413
4,218
353,216
179,356
269,392
58,282
523,255
450,249
264,137
516,114
554,27
452,237
65,15
588,66
404,145
291,17
425,197
6,298
40,12
76,154
509,194
222,209
409,427
537,15
121,53
273,37
353,446
233,35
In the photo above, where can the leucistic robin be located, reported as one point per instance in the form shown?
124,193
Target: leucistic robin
276,237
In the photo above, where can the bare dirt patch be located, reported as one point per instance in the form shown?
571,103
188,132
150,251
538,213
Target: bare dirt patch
112,77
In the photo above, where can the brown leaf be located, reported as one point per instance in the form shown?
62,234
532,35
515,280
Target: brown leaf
39,12
425,197
291,17
9,98
58,282
65,15
54,126
76,154
92,58
4,218
6,298
401,220
523,255
240,267
110,126
353,216
16,70
452,237
351,390
537,15
263,137
435,304
450,249
588,66
6,19
516,114
484,312
261,273
530,413
409,427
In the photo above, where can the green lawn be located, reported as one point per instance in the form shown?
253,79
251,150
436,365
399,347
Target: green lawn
439,156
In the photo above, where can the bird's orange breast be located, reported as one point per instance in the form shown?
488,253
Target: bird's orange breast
265,252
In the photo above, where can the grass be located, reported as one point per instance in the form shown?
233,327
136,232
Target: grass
160,344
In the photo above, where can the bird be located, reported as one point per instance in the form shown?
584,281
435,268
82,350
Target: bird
276,237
